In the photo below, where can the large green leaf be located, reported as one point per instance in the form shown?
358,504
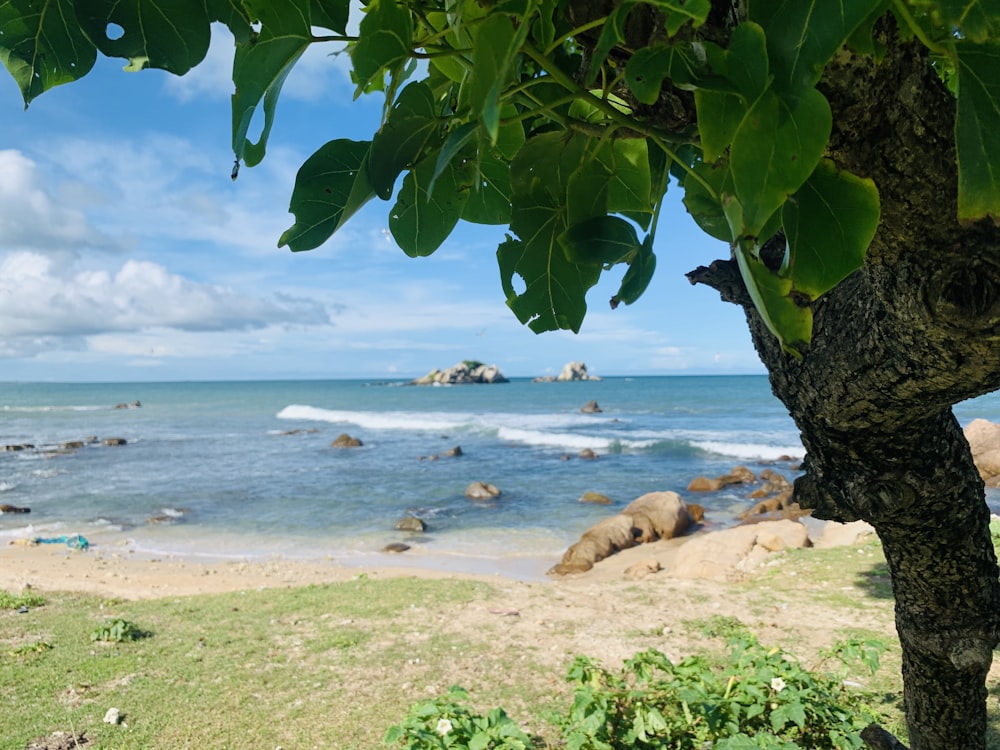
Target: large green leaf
626,166
789,322
423,218
42,45
706,208
649,66
169,34
498,40
386,38
410,130
775,149
261,66
489,200
600,240
975,20
977,130
802,35
678,12
612,34
329,188
637,277
555,288
233,15
331,14
828,225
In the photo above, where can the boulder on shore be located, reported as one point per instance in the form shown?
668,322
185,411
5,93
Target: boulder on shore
984,441
469,371
726,555
655,515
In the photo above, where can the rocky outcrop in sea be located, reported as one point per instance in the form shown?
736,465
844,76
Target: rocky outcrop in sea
469,371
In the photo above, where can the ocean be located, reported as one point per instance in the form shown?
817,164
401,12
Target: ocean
245,470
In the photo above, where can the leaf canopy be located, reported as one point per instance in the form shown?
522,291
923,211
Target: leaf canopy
565,128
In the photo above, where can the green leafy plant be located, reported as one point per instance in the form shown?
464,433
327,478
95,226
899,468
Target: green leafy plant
118,631
448,722
16,601
761,699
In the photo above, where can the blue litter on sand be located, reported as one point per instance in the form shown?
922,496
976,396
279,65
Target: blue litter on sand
73,542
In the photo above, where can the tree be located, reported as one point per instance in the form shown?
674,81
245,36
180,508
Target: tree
846,151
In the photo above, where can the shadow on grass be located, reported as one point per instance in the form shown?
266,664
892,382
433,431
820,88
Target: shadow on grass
875,581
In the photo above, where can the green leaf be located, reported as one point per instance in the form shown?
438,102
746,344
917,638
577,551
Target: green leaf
386,38
330,14
791,324
829,224
634,283
647,68
600,240
555,288
976,20
329,188
719,117
42,45
705,208
802,36
422,219
746,61
172,35
233,15
612,34
977,130
489,200
626,167
498,40
775,149
260,67
679,12
409,131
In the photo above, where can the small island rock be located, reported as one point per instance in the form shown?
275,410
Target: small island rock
590,407
469,371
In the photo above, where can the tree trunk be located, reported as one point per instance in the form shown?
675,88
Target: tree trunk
894,347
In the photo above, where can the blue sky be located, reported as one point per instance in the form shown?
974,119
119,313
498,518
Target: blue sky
128,254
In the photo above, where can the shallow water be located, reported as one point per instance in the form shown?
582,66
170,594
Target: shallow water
210,468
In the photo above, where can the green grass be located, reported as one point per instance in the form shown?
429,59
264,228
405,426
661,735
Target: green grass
319,666
333,666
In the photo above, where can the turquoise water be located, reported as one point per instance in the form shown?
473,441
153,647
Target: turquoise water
209,468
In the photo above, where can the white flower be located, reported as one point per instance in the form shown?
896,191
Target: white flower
443,727
777,684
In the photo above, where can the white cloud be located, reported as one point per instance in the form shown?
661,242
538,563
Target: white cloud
33,217
39,298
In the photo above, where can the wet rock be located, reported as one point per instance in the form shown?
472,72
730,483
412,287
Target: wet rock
13,509
481,491
595,498
591,407
587,454
72,445
346,441
115,441
411,523
469,371
396,547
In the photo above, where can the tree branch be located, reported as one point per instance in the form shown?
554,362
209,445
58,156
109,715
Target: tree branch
879,739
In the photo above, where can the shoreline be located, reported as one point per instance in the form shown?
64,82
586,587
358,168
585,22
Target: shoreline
115,569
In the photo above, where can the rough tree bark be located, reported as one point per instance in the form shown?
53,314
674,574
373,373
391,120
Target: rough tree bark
894,347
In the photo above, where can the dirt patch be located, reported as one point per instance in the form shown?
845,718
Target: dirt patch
60,741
